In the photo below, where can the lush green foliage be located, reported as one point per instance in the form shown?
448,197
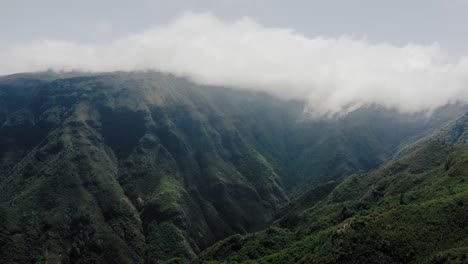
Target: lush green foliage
412,210
145,167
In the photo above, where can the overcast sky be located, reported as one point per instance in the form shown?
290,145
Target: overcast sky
337,55
395,21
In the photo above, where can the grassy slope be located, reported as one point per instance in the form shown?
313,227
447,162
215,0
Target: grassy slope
411,210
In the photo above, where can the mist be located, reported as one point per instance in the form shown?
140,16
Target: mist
332,75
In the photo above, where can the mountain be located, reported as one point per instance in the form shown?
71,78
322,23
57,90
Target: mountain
124,172
453,133
144,167
412,210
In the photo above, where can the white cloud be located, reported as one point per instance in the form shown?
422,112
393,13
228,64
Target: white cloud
332,75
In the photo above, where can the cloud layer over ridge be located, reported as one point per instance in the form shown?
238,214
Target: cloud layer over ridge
333,75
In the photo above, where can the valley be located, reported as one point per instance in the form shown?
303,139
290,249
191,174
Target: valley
146,167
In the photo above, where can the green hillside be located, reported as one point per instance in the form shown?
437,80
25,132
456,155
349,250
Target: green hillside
413,210
144,167
139,172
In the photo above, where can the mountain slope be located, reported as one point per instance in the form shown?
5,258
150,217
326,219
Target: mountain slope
412,210
150,176
453,133
143,167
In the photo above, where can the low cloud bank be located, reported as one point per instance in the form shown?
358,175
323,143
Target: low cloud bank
333,75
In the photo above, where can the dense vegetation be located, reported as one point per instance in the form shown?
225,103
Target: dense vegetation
414,209
145,167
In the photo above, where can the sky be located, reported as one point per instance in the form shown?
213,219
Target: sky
336,55
93,21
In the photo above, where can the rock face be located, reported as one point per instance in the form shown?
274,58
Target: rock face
142,167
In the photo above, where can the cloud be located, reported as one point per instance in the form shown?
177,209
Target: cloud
333,75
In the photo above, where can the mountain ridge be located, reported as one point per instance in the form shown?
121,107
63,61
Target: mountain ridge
144,167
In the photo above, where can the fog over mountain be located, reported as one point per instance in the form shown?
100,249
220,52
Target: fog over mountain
233,131
333,75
